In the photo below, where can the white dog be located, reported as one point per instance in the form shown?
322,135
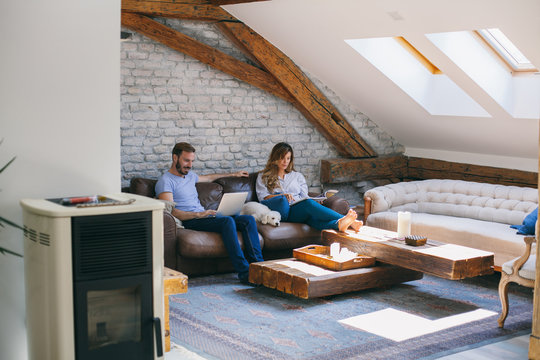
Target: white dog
261,213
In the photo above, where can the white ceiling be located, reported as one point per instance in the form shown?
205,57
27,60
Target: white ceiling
312,33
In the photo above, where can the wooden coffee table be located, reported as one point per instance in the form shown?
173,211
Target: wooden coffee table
444,260
307,281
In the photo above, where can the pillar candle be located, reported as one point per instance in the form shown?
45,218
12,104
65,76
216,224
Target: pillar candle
404,224
334,249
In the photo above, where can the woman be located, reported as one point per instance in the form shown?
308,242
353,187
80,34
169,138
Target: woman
280,187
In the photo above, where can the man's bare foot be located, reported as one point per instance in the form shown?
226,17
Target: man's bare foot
356,225
347,220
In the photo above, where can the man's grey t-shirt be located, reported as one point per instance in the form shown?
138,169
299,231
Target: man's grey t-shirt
183,190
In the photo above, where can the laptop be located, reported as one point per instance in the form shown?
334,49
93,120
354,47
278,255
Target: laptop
231,203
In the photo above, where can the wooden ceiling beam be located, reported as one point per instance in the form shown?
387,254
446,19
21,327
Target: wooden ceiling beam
335,171
232,2
204,53
182,9
308,99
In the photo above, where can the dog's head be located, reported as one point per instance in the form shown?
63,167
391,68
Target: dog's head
272,218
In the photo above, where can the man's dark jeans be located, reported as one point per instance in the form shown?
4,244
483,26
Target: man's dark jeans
227,226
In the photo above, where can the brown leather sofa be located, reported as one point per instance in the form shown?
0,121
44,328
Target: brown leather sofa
202,253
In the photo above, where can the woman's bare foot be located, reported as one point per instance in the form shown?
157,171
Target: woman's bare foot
356,225
347,220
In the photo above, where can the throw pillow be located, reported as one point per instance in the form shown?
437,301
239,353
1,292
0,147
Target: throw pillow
279,204
527,228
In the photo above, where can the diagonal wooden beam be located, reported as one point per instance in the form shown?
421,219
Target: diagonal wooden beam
181,9
231,2
309,100
204,53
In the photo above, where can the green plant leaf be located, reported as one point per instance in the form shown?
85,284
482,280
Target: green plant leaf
4,251
2,219
9,162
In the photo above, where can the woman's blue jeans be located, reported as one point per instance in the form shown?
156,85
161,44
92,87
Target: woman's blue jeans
228,226
305,212
314,214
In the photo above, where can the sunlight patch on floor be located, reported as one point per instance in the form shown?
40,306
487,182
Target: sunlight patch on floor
398,326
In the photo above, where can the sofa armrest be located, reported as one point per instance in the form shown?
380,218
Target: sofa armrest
337,204
169,240
523,258
381,198
368,202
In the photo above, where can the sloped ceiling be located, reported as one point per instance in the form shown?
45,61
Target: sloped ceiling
312,33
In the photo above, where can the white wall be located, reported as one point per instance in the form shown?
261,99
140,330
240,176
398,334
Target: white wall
59,114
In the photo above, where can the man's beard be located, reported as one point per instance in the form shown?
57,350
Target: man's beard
182,170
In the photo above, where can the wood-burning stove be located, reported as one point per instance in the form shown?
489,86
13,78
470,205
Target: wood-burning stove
93,280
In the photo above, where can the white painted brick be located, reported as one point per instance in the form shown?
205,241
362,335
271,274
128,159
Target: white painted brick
226,132
128,46
147,115
233,120
132,141
211,132
203,107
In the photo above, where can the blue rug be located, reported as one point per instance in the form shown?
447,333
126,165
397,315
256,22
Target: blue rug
222,319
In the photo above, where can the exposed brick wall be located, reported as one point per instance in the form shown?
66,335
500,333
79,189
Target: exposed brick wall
167,97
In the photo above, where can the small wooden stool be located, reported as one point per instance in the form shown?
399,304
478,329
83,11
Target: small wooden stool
174,282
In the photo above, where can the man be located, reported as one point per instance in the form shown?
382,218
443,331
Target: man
178,185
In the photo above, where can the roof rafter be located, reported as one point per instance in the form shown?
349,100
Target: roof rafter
281,78
232,2
204,53
310,101
182,9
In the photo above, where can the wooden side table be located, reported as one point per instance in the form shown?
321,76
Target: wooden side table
174,282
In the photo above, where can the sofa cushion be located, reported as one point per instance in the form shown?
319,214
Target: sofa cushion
199,244
142,186
239,184
210,194
527,271
478,234
288,236
528,225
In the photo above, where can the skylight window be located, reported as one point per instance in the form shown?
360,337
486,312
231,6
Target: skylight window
506,50
427,85
418,55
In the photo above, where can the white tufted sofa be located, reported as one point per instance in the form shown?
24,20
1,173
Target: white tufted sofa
472,214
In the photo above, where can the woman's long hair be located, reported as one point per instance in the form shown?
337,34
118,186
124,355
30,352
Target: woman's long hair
270,172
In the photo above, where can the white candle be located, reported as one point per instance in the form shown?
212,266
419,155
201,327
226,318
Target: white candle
404,224
334,249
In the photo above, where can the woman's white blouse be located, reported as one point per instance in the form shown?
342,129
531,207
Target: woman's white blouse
293,183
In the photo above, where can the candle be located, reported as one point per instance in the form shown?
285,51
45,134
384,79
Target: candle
334,249
404,224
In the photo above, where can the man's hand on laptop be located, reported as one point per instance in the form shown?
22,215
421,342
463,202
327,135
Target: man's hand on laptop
207,213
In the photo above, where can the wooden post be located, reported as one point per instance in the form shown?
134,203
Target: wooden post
534,342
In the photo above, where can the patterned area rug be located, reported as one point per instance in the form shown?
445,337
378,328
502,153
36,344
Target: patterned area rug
222,319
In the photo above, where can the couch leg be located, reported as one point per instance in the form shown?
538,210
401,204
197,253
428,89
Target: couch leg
503,296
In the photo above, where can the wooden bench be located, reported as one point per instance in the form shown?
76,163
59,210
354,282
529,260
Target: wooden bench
174,282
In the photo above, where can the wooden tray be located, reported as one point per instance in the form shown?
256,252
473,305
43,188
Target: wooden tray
320,255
